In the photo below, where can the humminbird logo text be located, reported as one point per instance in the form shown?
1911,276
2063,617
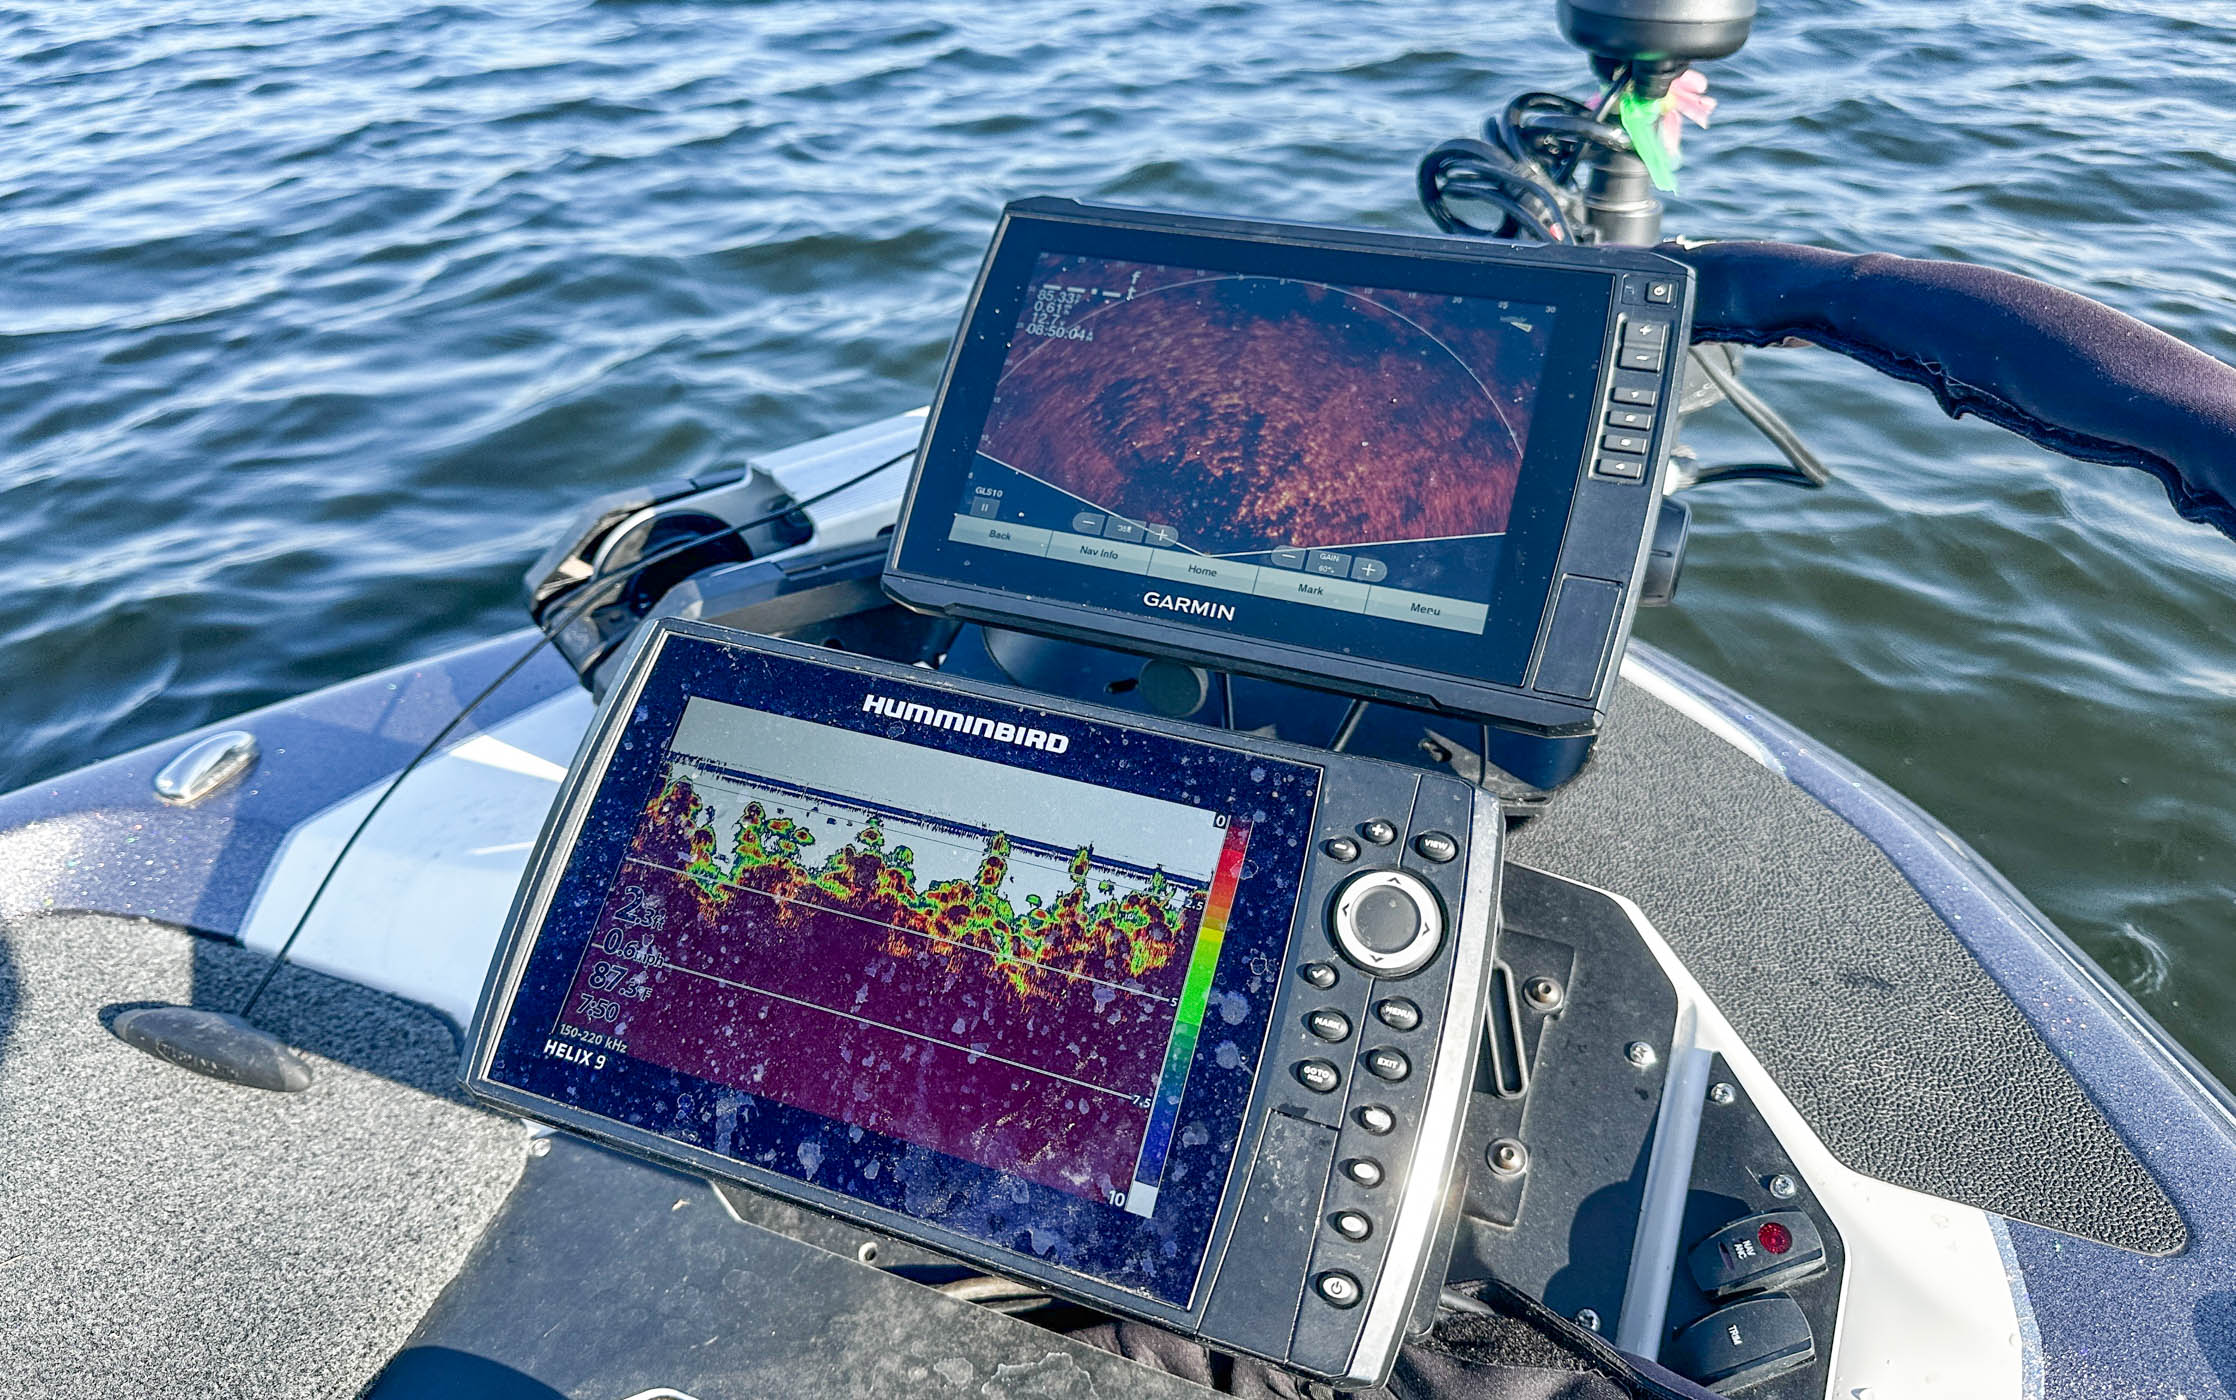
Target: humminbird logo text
1194,607
961,723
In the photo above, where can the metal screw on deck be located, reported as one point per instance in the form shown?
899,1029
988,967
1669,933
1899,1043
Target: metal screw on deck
1722,1094
1543,994
1784,1187
1588,1318
1508,1157
1639,1053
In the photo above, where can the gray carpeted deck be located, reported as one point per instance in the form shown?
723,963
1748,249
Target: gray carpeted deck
1892,1041
164,1235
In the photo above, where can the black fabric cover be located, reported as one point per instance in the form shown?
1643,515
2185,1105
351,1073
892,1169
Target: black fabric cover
2069,373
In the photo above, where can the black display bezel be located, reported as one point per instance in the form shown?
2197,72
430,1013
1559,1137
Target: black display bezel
1406,659
598,814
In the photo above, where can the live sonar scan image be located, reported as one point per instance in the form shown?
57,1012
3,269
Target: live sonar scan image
1256,413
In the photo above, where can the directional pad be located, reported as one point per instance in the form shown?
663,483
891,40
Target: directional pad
1387,921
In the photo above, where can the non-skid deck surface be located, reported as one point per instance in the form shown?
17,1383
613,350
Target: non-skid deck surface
1891,1040
164,1235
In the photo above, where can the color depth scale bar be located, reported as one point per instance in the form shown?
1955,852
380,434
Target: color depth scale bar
1187,1023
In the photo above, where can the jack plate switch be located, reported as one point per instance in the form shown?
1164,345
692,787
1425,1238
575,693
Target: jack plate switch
1757,1253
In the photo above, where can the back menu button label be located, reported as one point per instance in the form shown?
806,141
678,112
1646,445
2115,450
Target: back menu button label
1000,534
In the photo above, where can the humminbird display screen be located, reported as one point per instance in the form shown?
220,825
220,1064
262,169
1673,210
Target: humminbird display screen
1416,468
998,971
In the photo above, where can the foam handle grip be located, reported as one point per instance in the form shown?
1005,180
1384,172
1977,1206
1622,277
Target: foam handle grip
2057,368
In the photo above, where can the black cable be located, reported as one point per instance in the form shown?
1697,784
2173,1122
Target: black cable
1616,85
1545,132
588,593
1780,472
1766,421
1511,127
1348,727
1470,169
1519,217
1528,156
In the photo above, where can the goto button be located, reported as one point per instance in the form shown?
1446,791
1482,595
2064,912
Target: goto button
1320,1076
1387,921
1338,1288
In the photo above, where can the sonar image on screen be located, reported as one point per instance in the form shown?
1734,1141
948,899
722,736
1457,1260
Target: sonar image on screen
1251,413
1031,1007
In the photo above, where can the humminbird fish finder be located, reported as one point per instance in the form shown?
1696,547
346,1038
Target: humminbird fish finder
1418,469
1175,1022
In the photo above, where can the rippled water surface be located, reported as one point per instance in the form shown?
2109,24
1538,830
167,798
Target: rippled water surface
316,326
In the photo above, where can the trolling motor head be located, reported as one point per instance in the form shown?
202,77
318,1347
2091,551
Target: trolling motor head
1655,39
1562,170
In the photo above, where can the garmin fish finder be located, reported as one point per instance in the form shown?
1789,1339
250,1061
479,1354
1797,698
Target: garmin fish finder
1175,1022
1418,469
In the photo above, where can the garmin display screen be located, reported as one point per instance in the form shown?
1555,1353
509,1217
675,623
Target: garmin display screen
1316,441
1002,976
1237,435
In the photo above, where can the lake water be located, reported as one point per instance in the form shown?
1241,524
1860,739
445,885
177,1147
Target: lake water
318,321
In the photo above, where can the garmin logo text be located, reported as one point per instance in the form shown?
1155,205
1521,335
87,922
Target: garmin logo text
961,723
1194,607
